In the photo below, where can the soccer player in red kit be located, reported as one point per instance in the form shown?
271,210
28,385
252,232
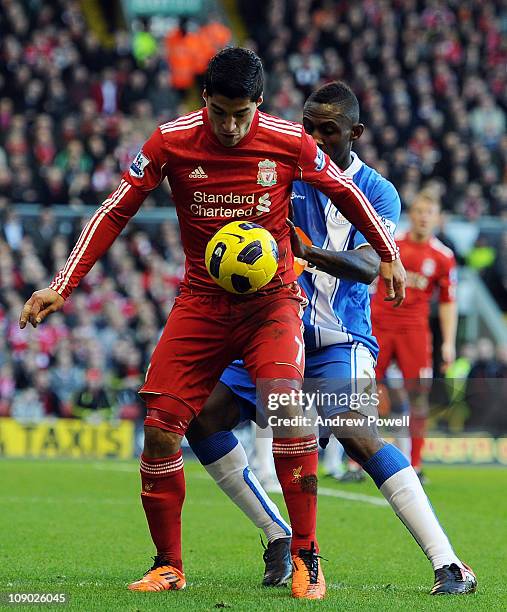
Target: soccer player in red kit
404,334
228,161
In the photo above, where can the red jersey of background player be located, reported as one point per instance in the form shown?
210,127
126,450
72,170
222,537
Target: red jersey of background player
429,265
207,194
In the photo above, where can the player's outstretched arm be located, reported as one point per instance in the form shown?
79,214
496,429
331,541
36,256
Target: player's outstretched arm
39,306
104,227
317,169
360,265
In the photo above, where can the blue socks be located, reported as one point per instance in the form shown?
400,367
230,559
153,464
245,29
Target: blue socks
385,463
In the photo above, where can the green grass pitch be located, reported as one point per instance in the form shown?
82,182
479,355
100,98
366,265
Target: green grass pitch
78,527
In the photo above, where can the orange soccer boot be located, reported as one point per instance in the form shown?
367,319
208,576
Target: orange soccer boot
308,581
160,577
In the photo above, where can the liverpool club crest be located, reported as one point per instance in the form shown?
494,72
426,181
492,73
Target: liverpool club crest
267,173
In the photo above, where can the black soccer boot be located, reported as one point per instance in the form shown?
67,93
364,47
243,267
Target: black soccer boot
277,558
454,580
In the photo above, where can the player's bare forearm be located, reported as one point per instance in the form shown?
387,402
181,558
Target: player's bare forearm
448,316
360,265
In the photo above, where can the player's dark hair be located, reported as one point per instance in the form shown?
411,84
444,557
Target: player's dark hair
340,94
235,73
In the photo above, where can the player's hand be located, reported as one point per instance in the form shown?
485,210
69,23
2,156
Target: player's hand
395,279
39,306
299,248
448,355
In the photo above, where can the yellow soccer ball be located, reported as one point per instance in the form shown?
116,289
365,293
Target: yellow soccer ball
242,257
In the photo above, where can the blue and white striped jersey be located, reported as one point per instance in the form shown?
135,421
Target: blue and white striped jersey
339,310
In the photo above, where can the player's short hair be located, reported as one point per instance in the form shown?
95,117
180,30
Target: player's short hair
235,73
340,94
428,195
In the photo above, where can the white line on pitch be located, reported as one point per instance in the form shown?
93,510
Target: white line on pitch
358,497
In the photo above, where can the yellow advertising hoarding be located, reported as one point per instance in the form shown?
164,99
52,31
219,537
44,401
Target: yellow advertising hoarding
475,451
66,438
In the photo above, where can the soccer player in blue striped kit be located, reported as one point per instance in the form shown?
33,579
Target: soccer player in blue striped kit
339,346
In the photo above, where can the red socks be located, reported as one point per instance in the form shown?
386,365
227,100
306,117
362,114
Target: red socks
296,461
163,492
162,495
417,432
416,453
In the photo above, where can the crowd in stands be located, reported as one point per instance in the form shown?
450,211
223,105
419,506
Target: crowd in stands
91,357
73,114
477,388
430,77
431,81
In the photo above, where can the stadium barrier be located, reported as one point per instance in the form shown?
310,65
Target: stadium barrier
66,438
466,451
75,439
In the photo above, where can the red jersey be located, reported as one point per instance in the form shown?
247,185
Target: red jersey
430,265
212,185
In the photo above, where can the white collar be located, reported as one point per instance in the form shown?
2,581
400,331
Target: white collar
355,166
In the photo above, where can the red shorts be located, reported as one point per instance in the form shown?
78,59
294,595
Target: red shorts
410,348
205,333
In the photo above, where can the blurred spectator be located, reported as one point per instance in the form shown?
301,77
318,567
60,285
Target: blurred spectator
482,255
485,366
144,44
66,377
499,274
460,369
487,388
487,121
92,401
7,388
51,403
189,49
12,230
38,401
501,358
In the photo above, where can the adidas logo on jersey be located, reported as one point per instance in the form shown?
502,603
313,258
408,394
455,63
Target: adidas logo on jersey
198,173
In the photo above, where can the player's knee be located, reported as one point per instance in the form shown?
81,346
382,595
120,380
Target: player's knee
160,443
206,425
362,449
220,413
